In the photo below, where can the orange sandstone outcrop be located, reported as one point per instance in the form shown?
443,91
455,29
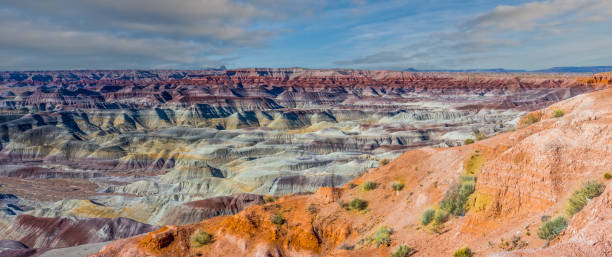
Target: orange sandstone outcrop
521,176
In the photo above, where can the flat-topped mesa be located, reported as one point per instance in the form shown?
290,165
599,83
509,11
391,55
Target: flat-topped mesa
599,80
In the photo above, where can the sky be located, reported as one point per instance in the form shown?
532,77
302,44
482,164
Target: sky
360,34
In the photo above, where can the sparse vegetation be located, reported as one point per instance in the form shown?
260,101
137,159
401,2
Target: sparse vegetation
472,165
277,219
382,236
367,186
581,197
397,186
383,162
531,119
440,216
402,251
515,243
427,216
558,113
358,204
463,252
201,238
456,197
551,229
468,141
607,175
352,185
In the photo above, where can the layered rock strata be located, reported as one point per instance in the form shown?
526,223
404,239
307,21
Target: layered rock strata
522,176
176,147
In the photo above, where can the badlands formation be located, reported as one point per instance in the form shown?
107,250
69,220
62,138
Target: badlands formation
94,156
522,178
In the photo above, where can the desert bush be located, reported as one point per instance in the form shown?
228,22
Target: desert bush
463,252
427,216
440,216
468,141
367,186
402,251
581,197
352,185
277,219
397,186
383,162
456,197
558,113
472,165
467,179
382,236
201,238
531,119
515,243
551,229
358,204
607,175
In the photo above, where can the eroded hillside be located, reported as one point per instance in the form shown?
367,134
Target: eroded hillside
521,179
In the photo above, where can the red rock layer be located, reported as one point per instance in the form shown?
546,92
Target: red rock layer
37,232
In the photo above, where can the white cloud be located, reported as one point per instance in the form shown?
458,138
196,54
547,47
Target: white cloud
143,33
503,31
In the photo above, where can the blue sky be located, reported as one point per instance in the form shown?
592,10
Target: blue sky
386,34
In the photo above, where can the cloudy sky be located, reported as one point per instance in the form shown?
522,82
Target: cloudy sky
382,34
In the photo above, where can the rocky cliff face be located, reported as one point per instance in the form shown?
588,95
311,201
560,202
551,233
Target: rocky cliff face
521,176
176,147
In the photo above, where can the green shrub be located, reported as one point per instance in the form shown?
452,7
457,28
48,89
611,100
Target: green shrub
397,186
382,236
277,219
558,113
358,204
467,179
427,216
531,119
468,141
607,175
367,186
201,238
402,251
463,252
456,197
551,229
581,197
383,162
440,216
